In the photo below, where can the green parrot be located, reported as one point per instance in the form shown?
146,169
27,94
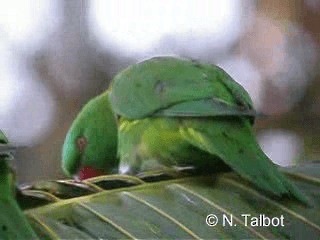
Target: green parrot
90,147
13,223
177,112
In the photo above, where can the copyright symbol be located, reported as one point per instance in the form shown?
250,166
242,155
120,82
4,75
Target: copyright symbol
212,220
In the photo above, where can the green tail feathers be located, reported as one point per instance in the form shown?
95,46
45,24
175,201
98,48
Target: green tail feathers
232,140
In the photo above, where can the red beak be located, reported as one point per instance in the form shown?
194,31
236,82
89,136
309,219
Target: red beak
89,172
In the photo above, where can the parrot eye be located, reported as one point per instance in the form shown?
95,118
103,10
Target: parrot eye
81,143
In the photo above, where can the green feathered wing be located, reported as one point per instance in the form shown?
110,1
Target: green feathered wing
233,141
159,83
207,111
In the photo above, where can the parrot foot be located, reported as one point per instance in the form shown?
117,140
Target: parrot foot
125,169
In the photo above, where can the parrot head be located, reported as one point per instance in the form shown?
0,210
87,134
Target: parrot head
90,147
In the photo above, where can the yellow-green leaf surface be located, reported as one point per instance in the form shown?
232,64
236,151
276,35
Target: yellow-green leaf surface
170,206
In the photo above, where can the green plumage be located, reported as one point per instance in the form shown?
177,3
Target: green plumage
177,112
96,126
159,83
173,112
13,224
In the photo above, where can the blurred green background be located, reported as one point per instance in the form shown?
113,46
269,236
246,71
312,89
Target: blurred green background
57,54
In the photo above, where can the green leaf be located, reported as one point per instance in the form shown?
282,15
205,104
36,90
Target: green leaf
169,205
3,138
13,223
